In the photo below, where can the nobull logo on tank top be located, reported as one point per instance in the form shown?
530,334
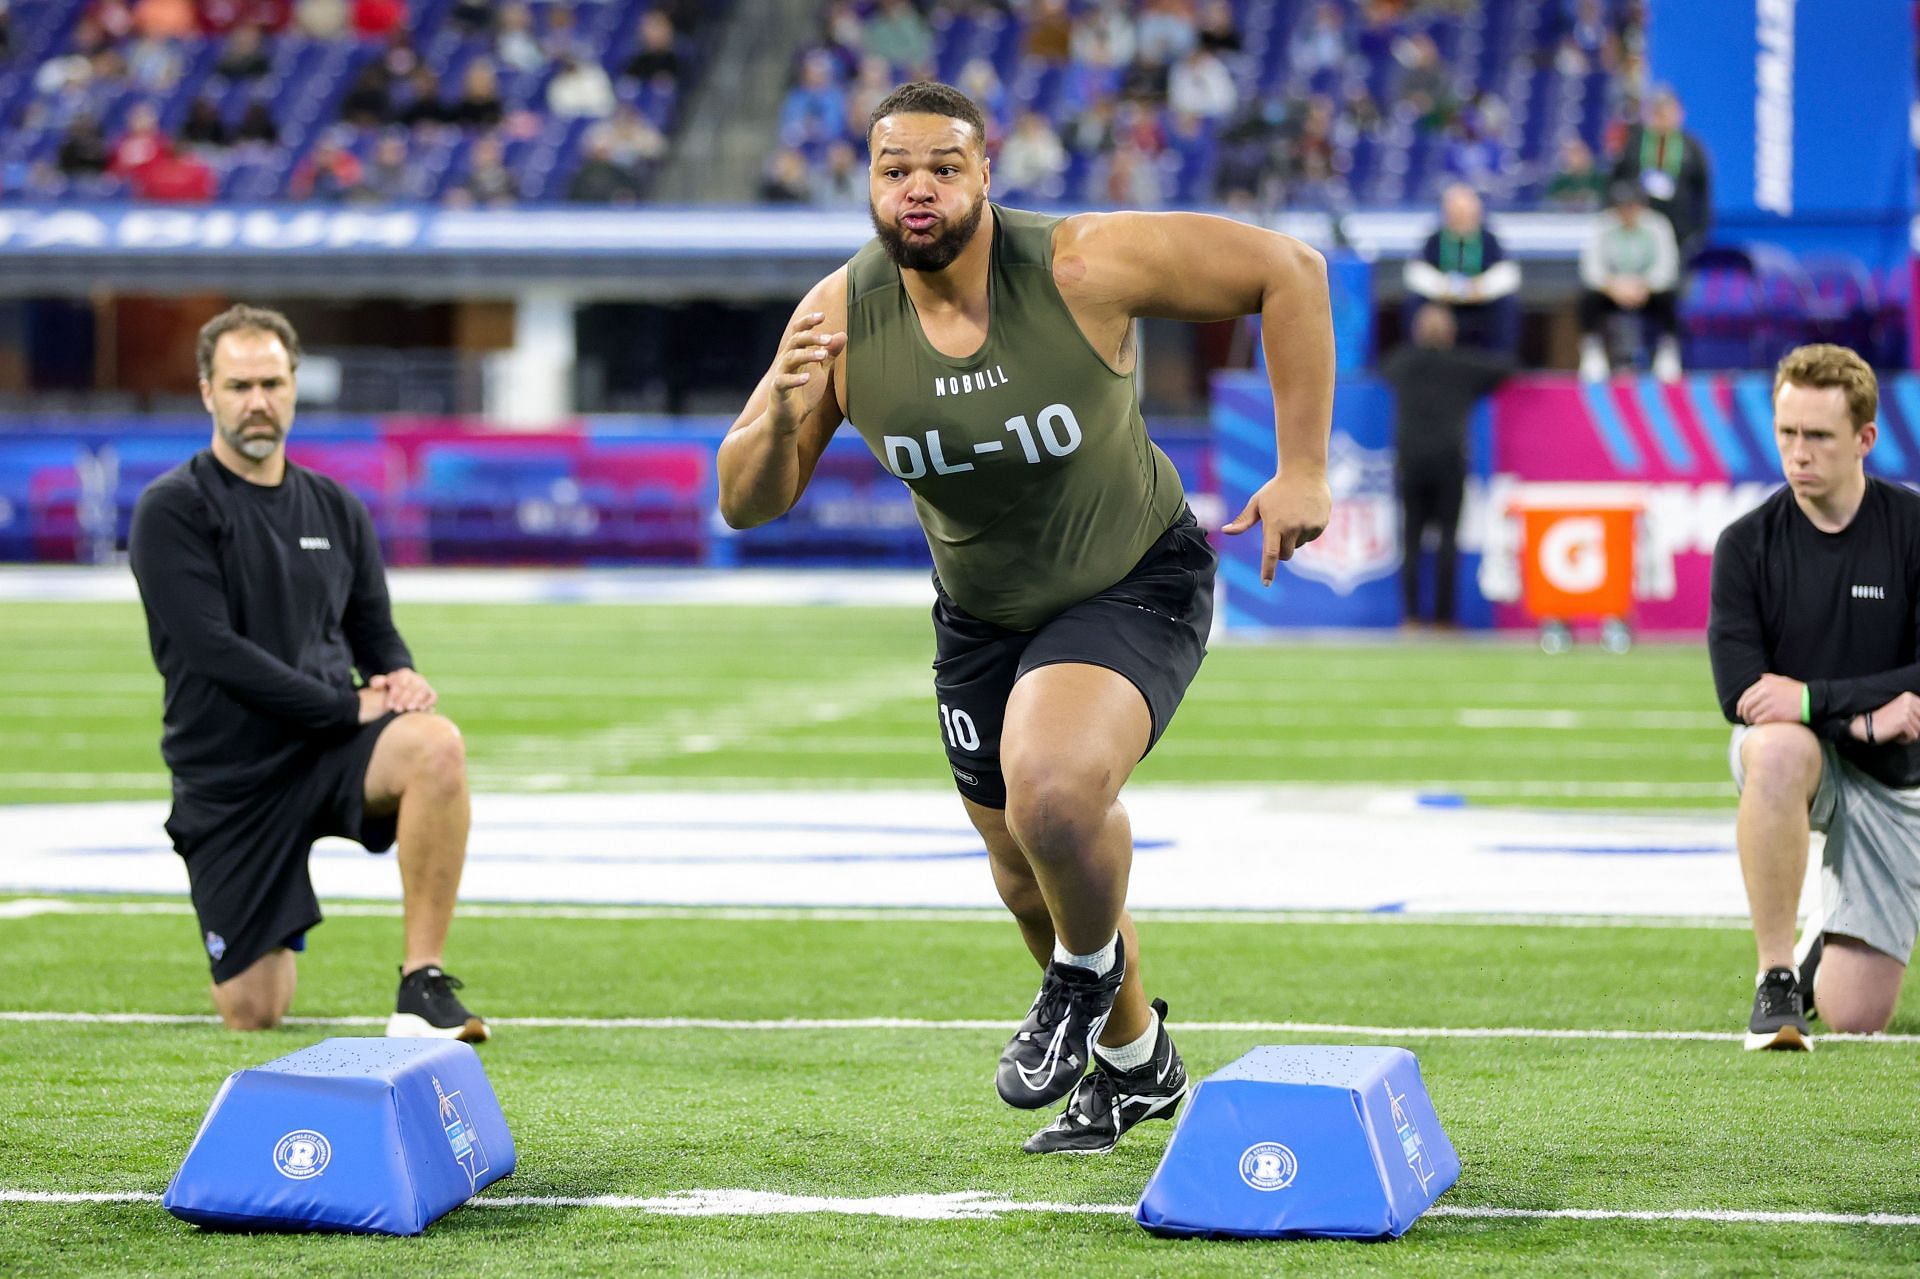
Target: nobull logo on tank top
967,383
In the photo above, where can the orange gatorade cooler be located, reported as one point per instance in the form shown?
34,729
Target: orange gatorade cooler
1576,550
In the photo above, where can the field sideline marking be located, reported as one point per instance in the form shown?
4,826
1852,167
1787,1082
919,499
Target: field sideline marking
27,907
922,1023
967,1205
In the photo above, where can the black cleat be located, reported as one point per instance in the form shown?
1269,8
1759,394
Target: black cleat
1049,1053
1809,964
427,1008
1778,1020
1107,1102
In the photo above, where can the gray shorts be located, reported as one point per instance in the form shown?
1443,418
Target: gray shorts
1870,873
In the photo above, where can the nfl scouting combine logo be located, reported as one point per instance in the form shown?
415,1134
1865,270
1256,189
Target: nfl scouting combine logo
1268,1165
1411,1146
302,1154
1362,540
465,1142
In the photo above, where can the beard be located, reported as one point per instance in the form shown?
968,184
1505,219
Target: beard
257,447
936,254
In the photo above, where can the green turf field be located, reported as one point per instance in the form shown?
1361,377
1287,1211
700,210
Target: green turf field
605,697
601,698
1655,1126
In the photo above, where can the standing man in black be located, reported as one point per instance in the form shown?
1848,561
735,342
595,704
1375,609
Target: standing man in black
1815,641
1435,387
264,592
1670,165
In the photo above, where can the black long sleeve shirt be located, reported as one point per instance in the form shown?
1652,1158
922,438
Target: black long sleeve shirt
1838,611
261,602
1435,389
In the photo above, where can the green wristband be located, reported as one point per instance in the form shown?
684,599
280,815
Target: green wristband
1806,704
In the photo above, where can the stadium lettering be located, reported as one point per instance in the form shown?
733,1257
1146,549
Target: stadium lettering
171,230
1773,107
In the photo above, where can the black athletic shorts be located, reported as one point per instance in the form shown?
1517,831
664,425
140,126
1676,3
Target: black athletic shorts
247,858
1151,626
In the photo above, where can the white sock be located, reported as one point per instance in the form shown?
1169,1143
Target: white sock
1099,963
1136,1054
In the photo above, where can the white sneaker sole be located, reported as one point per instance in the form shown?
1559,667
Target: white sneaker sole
1785,1039
414,1026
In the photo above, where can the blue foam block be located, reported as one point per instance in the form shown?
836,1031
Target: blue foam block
375,1136
1303,1143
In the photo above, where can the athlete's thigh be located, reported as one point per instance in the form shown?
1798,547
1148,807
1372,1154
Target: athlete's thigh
1088,722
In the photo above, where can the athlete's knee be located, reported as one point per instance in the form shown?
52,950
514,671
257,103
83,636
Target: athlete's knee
1854,1013
1780,760
439,754
1056,812
251,1018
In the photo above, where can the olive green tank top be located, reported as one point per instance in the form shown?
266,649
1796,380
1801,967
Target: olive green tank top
1029,461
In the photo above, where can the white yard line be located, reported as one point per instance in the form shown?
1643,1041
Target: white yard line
970,1205
962,1024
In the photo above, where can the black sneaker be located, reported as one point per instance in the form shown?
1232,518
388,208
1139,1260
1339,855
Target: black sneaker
427,1008
1808,962
1778,1020
1107,1101
1048,1054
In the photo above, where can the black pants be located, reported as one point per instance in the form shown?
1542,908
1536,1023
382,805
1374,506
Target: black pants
1430,497
1661,310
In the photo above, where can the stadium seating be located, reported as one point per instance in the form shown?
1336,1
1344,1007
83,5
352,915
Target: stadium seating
303,89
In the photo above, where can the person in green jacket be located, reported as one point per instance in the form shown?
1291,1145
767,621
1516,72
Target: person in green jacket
986,355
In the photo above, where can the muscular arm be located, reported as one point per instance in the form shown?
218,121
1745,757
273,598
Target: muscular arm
773,446
180,583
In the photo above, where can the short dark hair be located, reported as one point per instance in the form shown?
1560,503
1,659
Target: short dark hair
930,97
236,319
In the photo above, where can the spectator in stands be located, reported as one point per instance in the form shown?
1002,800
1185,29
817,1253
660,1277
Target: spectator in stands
1426,85
1200,85
1630,265
896,31
1165,32
330,175
657,61
1127,178
257,126
1671,167
1049,38
1103,36
479,104
1309,169
203,126
217,17
174,176
1092,131
113,17
842,183
871,85
6,32
1321,43
843,34
599,180
83,152
425,108
368,104
1358,109
632,140
815,110
1219,33
1435,388
488,184
1032,158
579,90
390,176
473,17
1576,186
786,178
563,34
109,72
244,56
399,57
378,19
322,19
166,19
153,64
979,81
141,144
1462,265
516,45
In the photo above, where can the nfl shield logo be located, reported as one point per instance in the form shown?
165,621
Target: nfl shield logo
1362,541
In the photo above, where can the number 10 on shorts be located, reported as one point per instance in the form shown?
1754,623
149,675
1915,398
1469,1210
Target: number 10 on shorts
961,734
